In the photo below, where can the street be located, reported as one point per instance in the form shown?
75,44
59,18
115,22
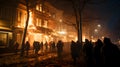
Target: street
48,59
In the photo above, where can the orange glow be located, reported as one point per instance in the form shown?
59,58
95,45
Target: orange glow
119,41
31,25
30,18
84,38
18,26
62,32
37,37
93,40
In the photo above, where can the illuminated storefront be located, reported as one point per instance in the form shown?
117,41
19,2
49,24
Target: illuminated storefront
5,36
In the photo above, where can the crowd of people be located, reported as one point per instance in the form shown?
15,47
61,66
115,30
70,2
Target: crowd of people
37,47
98,54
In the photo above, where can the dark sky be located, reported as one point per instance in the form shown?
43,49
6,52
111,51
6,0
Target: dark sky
107,11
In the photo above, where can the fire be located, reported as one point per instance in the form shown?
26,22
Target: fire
31,25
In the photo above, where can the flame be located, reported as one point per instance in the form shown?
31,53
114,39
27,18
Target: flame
31,25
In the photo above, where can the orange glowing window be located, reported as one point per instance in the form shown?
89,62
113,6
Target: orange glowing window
37,7
45,23
19,16
39,21
40,7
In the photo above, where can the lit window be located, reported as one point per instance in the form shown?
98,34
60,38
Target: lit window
45,23
38,22
40,7
19,16
37,7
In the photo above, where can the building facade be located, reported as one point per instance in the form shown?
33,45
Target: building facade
43,21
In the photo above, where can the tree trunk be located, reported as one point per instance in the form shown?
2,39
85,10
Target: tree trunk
25,30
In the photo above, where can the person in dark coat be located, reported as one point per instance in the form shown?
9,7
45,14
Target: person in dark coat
88,49
36,46
27,47
16,45
53,46
46,46
74,51
60,48
111,53
98,53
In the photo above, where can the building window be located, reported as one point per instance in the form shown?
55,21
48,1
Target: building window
45,23
39,7
19,16
39,21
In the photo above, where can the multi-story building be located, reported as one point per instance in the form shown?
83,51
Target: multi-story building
42,26
7,19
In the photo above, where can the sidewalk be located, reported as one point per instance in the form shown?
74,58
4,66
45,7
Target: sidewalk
8,59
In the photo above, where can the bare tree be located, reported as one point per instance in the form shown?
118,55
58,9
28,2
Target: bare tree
25,29
78,7
29,5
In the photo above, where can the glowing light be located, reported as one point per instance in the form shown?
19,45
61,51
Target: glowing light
30,18
92,37
96,30
37,37
71,35
93,40
46,38
84,38
60,20
119,41
62,32
18,26
76,39
99,25
102,37
31,25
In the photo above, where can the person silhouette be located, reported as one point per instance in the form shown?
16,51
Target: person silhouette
111,53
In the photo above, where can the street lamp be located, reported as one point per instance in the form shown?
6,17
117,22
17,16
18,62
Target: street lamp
98,25
96,30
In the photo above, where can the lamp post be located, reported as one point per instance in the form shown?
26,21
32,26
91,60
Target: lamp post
98,25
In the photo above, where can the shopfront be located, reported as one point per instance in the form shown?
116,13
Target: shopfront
5,37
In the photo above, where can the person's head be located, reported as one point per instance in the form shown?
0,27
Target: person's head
99,42
86,41
107,40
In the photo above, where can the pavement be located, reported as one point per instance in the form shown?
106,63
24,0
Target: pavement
46,59
8,57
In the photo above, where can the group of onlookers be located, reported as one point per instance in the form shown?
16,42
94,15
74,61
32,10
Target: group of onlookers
98,54
37,47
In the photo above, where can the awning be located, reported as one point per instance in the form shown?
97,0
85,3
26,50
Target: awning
5,29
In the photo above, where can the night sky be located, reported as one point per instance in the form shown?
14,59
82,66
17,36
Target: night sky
107,11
